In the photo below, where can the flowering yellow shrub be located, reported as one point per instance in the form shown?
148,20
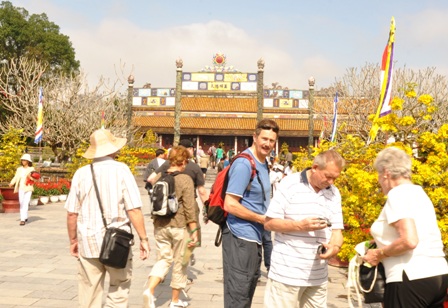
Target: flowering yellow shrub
144,155
12,146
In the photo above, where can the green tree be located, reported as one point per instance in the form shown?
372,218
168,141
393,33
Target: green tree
34,37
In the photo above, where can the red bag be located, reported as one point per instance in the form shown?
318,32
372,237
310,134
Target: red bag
34,177
214,206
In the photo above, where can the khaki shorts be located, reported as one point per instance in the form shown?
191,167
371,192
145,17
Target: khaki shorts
281,295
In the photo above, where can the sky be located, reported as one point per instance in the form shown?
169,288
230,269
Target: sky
297,39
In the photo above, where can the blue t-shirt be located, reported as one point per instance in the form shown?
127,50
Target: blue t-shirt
239,177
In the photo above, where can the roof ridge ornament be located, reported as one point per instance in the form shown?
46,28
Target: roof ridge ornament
219,65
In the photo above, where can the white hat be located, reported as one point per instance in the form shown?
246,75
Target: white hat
26,157
103,143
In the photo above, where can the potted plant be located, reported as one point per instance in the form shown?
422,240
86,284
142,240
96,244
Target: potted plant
54,191
65,188
41,190
12,146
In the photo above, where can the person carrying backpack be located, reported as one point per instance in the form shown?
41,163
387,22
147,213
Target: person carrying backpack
242,232
196,174
174,233
153,166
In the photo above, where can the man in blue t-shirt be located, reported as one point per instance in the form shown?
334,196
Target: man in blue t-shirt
242,233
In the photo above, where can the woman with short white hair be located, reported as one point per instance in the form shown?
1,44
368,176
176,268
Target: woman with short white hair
408,240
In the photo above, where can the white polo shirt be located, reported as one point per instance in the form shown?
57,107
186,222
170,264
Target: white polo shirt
294,259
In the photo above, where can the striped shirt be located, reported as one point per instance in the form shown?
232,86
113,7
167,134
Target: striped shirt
294,259
119,193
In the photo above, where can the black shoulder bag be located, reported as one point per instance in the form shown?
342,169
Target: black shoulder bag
116,242
372,281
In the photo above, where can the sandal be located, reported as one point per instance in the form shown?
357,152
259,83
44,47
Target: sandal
22,223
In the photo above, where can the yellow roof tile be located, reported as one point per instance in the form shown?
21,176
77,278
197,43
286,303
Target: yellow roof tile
236,126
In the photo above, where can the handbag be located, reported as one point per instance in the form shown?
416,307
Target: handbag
372,282
116,242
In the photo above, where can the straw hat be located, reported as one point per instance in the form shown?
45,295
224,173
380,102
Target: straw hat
103,143
26,157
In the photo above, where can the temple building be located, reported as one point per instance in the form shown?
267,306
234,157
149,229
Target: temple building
221,105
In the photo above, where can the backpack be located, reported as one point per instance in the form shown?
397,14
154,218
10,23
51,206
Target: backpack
163,198
214,206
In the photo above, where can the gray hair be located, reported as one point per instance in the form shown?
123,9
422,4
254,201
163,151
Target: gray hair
394,160
323,158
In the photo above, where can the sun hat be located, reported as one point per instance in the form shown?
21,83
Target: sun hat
103,143
186,143
26,157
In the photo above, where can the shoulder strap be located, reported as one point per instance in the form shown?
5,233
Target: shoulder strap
254,171
98,196
175,173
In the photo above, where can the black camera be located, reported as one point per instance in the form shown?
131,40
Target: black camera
321,249
327,221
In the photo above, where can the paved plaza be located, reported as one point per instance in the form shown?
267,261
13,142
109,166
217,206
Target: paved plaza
36,269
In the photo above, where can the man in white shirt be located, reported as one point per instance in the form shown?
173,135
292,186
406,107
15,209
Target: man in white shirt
306,215
120,198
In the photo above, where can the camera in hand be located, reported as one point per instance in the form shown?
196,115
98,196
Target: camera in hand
321,249
327,221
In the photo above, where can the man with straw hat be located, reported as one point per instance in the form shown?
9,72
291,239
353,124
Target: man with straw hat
120,198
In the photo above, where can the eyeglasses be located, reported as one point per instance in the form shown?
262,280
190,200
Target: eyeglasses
269,127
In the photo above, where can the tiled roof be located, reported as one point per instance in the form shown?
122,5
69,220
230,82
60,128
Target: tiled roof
233,126
219,104
237,116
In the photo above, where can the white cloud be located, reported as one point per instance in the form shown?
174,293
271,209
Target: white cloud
102,41
152,54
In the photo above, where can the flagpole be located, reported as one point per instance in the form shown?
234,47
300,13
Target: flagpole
40,152
39,123
335,117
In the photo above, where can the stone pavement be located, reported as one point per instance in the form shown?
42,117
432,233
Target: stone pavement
36,269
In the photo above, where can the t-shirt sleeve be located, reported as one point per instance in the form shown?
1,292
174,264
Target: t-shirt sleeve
165,166
200,181
399,205
239,177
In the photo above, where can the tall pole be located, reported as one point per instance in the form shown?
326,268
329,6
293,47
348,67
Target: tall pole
177,101
260,64
311,82
129,111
